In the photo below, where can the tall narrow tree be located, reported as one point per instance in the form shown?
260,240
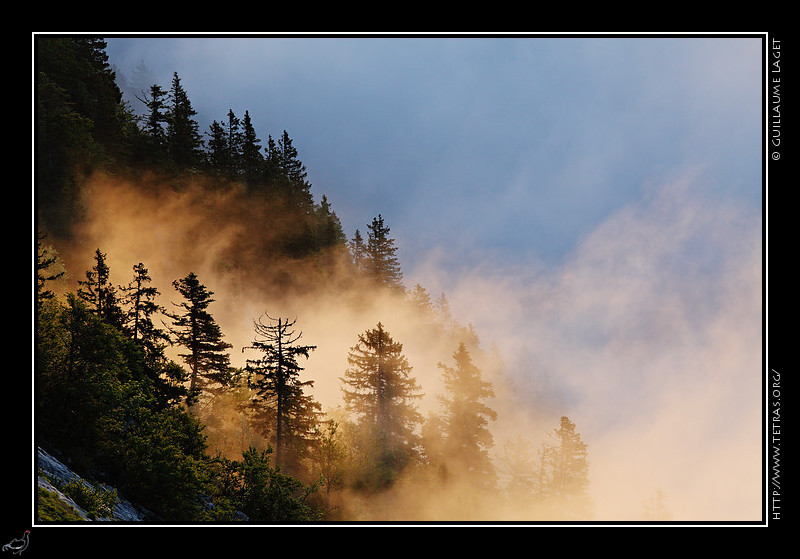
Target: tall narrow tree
197,331
380,391
252,160
568,483
46,260
139,296
465,420
383,266
358,251
184,141
98,292
234,147
281,404
329,228
217,152
155,120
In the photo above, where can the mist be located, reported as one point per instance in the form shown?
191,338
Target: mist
648,335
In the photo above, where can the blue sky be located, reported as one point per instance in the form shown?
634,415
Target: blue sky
491,149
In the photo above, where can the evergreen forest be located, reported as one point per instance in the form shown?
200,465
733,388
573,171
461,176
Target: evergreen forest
179,347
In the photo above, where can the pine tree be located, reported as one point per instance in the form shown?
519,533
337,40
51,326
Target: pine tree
252,160
358,251
234,144
46,258
198,332
566,460
155,120
281,404
272,164
287,174
96,290
421,299
465,420
139,297
329,228
383,267
98,96
380,391
184,141
217,152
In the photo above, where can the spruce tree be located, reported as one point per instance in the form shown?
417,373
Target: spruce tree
358,251
421,299
98,292
383,267
287,174
198,332
281,405
380,391
155,120
140,299
329,228
566,464
234,140
46,259
184,142
465,420
217,152
252,160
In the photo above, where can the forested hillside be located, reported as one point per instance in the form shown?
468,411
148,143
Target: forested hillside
210,342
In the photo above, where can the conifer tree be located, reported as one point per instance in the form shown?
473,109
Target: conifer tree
358,251
272,164
383,267
281,405
465,420
421,299
217,148
155,119
140,298
287,174
566,467
184,142
96,290
329,228
94,93
252,159
234,135
46,258
380,391
198,332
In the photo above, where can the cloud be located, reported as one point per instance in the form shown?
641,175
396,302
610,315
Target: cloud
649,336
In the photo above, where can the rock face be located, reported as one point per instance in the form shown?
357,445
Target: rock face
51,469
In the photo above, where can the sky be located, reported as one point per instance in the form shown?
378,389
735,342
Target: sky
495,148
592,205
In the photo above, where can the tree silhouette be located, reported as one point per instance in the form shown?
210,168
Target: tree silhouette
184,142
281,405
381,263
198,332
98,292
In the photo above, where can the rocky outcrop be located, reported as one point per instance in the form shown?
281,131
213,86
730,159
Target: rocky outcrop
53,473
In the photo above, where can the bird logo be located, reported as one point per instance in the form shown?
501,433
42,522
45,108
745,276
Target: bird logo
18,545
